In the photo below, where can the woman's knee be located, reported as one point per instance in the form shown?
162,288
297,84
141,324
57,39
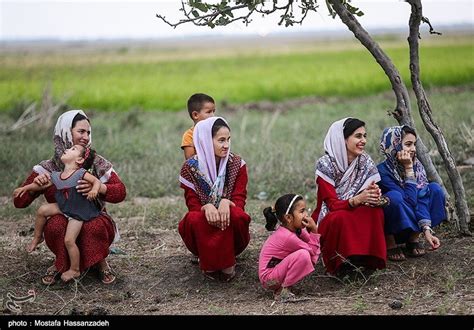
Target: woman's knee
55,227
436,189
395,197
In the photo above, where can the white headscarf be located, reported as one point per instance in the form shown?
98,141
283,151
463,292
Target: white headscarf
347,179
62,139
200,172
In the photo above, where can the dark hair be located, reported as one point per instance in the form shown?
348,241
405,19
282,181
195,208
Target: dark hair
218,124
281,205
408,130
78,117
89,161
196,101
350,125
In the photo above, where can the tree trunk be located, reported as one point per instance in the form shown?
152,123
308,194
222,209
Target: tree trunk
424,108
402,112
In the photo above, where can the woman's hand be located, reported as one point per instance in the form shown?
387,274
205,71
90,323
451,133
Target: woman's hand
405,159
224,212
212,215
369,196
309,224
18,192
83,187
42,179
432,240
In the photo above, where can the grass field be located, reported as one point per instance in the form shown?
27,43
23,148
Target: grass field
279,147
279,140
163,79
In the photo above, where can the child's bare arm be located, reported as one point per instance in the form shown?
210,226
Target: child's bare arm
92,194
189,152
32,187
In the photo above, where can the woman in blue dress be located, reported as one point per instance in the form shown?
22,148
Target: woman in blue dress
415,205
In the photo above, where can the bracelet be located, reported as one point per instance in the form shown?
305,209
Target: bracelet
428,228
351,202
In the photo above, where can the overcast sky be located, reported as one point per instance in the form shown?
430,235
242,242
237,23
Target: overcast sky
106,19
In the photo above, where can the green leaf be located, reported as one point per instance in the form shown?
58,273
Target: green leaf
195,13
200,6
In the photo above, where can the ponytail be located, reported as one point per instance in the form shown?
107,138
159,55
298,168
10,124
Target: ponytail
284,205
271,218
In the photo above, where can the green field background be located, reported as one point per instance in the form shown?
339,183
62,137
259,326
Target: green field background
124,80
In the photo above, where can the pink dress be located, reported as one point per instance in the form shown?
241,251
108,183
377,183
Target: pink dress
286,258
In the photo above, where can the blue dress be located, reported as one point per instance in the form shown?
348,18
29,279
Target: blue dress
70,202
410,207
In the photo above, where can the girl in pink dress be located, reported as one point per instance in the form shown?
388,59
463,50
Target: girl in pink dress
291,252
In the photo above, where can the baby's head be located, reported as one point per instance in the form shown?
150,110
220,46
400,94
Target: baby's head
80,155
290,209
200,107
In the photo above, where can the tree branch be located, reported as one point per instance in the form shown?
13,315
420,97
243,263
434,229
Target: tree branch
222,14
424,108
427,21
201,20
402,112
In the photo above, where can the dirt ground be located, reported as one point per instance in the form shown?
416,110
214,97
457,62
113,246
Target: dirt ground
155,276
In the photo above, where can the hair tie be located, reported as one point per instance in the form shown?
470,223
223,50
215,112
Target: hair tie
291,203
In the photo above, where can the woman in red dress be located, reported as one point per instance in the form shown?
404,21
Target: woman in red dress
73,127
216,228
351,223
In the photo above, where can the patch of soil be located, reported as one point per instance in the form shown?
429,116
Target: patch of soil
155,276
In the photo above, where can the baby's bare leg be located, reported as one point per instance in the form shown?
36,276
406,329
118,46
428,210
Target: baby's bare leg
72,231
44,212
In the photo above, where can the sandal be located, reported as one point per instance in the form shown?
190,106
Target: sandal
212,275
395,254
414,246
49,278
107,276
227,277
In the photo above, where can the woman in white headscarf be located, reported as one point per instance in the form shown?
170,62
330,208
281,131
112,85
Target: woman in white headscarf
349,218
216,228
73,127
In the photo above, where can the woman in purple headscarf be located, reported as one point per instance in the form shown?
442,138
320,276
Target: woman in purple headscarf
216,228
415,204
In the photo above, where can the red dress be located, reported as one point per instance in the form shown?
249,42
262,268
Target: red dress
96,235
348,232
216,248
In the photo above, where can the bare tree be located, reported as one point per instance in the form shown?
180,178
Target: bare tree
294,12
424,108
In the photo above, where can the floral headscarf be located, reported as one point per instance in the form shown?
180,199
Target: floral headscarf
347,179
200,173
390,144
62,140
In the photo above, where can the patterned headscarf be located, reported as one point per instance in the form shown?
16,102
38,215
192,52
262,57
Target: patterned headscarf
200,173
347,179
390,144
62,140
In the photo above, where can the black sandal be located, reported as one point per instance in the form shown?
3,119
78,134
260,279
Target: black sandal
396,251
412,246
50,277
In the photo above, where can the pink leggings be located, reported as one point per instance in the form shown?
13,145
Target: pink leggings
290,270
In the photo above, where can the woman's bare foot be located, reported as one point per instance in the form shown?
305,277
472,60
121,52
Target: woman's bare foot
70,275
34,243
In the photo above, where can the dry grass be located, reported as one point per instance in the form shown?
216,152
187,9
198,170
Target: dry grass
155,276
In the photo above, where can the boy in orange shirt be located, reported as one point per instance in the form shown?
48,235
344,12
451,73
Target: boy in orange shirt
200,107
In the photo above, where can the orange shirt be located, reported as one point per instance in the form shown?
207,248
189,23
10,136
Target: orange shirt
188,138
